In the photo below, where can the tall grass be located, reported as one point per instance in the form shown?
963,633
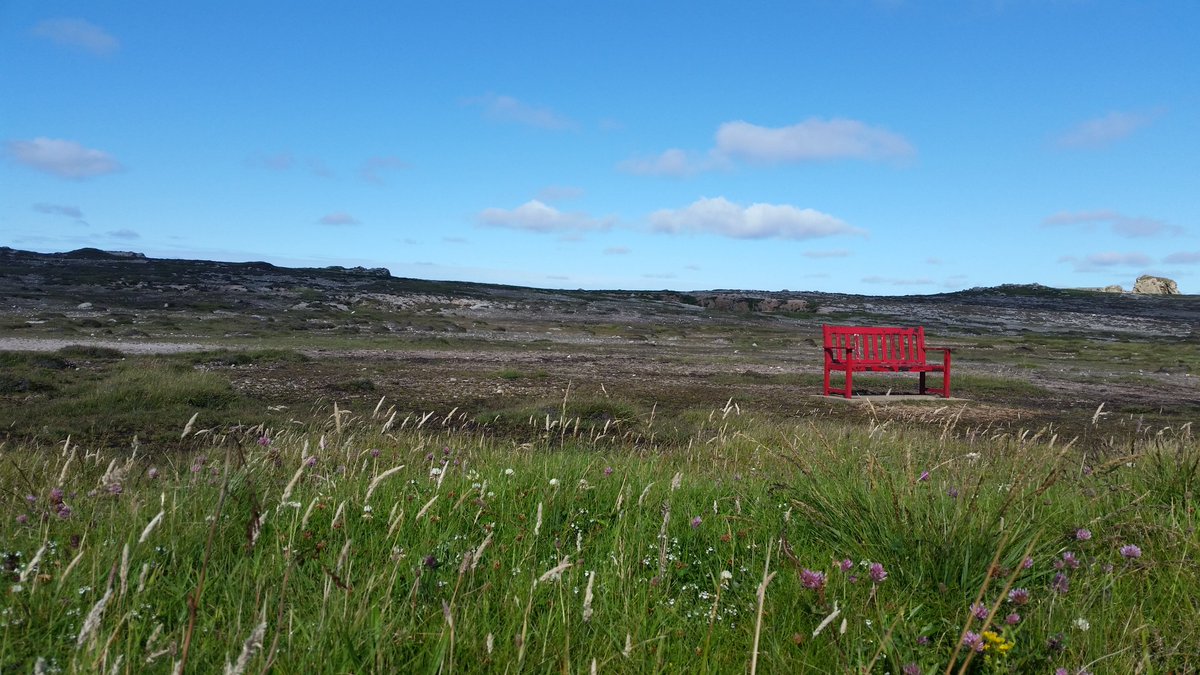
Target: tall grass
362,542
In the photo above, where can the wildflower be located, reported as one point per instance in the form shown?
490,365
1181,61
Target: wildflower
1056,643
924,476
1019,596
374,452
726,575
553,482
435,471
1060,584
264,441
1082,624
910,669
56,496
1107,567
996,642
152,473
1012,619
30,498
311,461
115,489
696,522
973,641
1131,551
1070,560
608,471
64,511
923,640
508,472
1083,534
430,561
979,611
1027,563
22,519
846,565
812,580
877,573
952,493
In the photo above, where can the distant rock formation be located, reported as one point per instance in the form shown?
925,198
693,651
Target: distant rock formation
1114,288
1152,285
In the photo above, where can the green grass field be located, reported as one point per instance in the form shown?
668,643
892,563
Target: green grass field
589,537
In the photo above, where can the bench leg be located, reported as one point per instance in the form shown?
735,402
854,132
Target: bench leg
827,380
946,375
849,382
922,390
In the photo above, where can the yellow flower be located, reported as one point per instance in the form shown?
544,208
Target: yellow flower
996,642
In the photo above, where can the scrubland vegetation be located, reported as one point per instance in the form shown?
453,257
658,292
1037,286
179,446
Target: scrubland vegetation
597,536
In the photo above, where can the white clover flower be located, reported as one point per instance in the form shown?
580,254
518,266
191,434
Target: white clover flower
508,472
726,575
435,471
1082,624
553,482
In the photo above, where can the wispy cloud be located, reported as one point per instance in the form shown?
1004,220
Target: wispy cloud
509,109
373,168
280,161
1119,223
124,234
338,218
65,159
618,250
78,34
757,221
59,210
1183,258
1106,260
674,163
1103,131
812,140
536,216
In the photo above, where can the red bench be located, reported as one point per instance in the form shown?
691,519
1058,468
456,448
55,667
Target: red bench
853,349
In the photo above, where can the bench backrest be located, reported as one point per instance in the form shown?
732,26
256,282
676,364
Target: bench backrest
875,345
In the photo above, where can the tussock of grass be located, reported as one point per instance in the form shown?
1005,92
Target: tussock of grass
428,543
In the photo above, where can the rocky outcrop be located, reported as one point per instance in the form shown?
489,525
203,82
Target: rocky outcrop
1115,288
1152,285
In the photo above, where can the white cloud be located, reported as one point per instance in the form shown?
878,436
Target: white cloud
1106,260
674,163
65,159
1183,258
757,221
77,33
536,216
1126,226
125,234
372,169
1102,131
59,210
812,139
338,218
835,253
509,109
618,250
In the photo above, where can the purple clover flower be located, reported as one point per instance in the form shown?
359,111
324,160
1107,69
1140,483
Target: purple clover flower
696,522
1027,563
910,668
1070,560
30,498
1019,596
264,440
22,519
812,579
877,573
152,473
311,461
56,496
1131,551
1083,534
1060,584
979,611
973,641
1012,619
924,476
374,452
952,493
846,565
608,471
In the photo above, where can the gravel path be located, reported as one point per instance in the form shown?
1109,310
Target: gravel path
11,344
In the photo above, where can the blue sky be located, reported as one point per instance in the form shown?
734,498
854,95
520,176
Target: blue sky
882,147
